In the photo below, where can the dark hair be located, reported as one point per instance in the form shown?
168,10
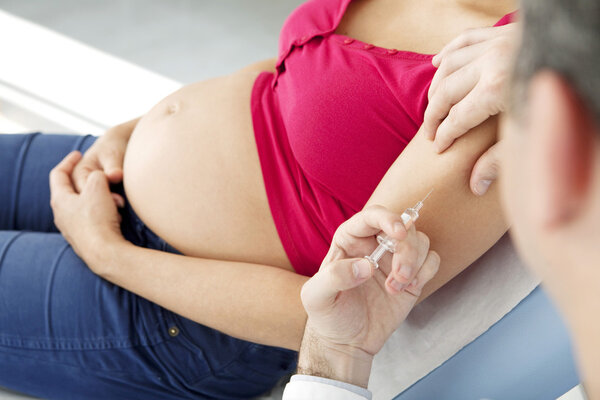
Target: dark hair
563,36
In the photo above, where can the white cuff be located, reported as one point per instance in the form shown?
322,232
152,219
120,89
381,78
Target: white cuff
304,387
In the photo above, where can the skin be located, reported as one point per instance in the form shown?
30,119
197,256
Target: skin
203,135
469,87
551,191
351,308
550,165
225,231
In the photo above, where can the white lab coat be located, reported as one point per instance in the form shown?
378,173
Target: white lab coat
302,387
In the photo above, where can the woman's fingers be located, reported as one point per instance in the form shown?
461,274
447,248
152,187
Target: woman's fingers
82,171
81,174
322,289
111,161
97,192
118,199
60,181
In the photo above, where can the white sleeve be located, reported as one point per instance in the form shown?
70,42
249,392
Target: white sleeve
303,387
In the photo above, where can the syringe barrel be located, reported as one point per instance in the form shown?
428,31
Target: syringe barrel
377,254
409,215
386,243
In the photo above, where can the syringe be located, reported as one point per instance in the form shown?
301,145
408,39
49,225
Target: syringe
386,243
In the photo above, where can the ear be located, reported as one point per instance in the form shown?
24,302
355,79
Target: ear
562,146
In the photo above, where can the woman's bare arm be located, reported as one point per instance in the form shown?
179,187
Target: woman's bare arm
461,226
262,303
254,302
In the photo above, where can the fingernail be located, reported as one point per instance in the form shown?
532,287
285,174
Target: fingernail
361,269
482,186
121,202
397,285
414,283
405,271
434,59
398,227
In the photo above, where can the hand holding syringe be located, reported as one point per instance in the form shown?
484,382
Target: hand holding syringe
386,243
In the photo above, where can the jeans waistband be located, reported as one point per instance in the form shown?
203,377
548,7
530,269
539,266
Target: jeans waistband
135,230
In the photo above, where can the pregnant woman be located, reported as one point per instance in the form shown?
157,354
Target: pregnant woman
231,192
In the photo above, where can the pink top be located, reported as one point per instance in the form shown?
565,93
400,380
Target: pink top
329,123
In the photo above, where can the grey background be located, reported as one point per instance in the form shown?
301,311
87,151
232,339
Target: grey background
186,40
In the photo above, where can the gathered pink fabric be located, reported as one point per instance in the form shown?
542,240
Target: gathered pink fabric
329,123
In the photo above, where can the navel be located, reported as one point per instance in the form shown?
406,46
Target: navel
173,108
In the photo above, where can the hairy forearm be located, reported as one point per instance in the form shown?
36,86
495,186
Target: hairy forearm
254,302
337,362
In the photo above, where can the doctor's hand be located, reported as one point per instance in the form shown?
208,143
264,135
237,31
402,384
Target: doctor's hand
469,84
468,88
352,307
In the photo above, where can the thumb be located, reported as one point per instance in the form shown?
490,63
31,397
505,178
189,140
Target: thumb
97,183
322,289
112,164
485,170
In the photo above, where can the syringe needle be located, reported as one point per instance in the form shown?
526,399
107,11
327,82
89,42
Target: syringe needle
425,198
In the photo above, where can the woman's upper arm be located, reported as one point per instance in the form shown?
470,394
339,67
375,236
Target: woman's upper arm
460,225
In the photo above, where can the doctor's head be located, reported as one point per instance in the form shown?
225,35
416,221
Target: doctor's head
551,154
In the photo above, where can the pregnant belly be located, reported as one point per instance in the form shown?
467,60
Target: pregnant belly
192,174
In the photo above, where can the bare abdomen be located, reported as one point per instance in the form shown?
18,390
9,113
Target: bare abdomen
192,174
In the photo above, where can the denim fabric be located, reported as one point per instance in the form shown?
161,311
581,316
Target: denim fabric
66,333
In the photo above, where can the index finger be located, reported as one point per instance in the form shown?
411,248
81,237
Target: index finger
463,116
452,90
467,38
370,221
60,176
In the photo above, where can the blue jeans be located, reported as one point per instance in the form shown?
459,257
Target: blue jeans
66,333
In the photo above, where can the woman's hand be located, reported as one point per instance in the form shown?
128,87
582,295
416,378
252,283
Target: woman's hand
352,307
88,219
469,87
105,155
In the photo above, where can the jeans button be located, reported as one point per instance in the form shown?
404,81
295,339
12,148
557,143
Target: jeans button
173,331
